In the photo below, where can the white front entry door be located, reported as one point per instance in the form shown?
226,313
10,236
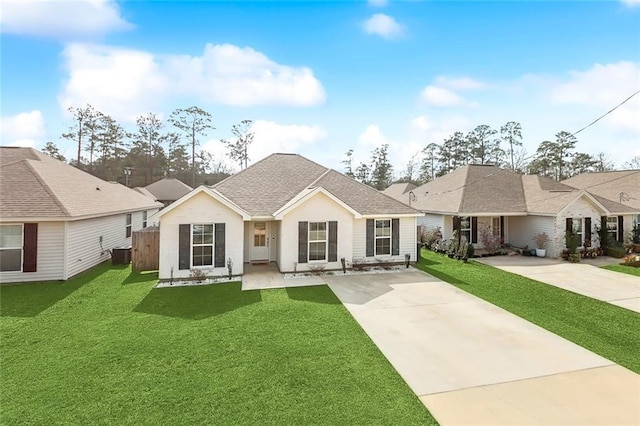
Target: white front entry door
260,243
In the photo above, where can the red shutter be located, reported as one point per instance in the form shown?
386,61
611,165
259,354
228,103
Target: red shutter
30,248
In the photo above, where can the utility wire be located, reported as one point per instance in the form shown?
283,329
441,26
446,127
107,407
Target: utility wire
606,113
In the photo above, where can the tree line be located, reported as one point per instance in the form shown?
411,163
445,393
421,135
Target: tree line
557,159
153,149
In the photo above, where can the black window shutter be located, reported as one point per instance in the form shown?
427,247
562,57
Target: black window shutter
184,246
218,245
502,229
30,247
395,237
371,229
456,223
474,229
621,228
587,231
303,239
333,241
569,225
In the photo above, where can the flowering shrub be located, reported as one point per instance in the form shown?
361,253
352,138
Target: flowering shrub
490,242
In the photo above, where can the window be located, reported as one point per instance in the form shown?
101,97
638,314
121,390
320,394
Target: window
128,227
317,241
144,219
465,228
612,227
202,245
495,226
577,228
10,248
259,234
383,236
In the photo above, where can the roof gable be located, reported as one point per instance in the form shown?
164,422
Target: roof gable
168,189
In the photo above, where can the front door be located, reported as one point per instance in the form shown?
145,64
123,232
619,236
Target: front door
259,246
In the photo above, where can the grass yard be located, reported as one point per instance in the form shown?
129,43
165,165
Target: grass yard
624,269
605,329
107,348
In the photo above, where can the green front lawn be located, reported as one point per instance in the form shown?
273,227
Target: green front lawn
605,329
624,269
107,348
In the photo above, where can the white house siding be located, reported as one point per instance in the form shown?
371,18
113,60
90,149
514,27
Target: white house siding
84,249
430,221
319,208
408,240
522,230
50,264
201,208
580,208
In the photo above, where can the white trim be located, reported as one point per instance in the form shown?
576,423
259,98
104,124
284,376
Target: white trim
213,249
376,238
213,194
590,197
307,194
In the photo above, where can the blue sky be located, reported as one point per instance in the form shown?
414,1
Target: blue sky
319,78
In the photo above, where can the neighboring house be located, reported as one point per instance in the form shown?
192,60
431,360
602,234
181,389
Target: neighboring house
622,186
514,208
57,221
400,191
288,210
166,190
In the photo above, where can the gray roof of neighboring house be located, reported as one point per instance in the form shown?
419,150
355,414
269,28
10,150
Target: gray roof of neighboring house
397,190
168,189
32,184
481,189
621,186
473,189
266,186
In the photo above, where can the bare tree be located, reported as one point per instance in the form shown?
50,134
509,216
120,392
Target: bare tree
193,122
238,146
84,120
511,134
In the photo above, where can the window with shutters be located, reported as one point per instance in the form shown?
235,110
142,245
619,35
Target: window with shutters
495,226
317,241
128,225
465,228
578,228
10,248
612,227
202,245
383,236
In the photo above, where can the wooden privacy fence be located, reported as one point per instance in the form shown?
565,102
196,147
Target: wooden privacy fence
145,249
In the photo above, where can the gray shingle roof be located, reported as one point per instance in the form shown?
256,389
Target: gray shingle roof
33,184
478,189
269,184
610,185
397,190
168,189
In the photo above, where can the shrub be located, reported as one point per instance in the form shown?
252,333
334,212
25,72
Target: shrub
541,240
572,241
616,251
317,269
198,275
358,264
491,243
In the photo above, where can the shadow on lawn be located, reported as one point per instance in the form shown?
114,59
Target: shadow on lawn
197,302
30,299
315,294
140,277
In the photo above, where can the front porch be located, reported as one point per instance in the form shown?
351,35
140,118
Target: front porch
261,276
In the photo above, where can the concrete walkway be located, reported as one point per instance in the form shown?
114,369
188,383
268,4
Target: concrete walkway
582,278
471,362
265,276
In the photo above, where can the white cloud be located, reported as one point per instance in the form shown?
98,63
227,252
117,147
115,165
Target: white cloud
631,3
441,97
378,3
126,82
61,19
271,137
24,129
383,25
400,149
232,75
120,82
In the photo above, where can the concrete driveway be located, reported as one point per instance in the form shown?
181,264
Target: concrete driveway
582,278
471,362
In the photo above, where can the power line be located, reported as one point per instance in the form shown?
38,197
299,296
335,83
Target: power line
606,113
